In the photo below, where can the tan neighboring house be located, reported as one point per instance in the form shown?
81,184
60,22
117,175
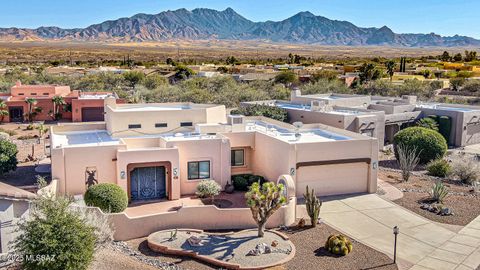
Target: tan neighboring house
162,151
14,204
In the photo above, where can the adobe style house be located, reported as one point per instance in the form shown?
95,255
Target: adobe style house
80,106
162,151
380,117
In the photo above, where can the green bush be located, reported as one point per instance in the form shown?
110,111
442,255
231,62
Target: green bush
272,112
208,189
54,230
439,168
430,144
428,122
8,156
242,182
108,197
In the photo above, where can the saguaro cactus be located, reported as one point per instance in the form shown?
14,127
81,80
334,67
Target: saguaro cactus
264,201
313,205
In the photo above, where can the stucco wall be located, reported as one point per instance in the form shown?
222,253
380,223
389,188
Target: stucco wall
10,213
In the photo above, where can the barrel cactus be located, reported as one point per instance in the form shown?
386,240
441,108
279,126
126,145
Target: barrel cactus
338,244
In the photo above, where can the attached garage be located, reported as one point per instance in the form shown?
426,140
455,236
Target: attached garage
329,179
92,114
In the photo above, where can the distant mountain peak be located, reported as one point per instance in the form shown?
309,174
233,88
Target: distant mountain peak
205,24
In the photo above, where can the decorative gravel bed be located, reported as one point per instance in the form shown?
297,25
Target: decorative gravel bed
311,254
228,250
464,203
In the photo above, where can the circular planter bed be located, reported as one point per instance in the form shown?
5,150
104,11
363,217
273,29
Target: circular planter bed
230,250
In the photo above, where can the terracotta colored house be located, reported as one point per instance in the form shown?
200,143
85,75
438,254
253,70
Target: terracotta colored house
162,151
79,107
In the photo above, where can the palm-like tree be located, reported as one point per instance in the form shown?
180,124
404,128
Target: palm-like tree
57,102
32,110
390,65
3,110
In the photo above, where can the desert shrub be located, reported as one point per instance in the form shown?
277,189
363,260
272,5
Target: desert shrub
408,158
242,182
272,112
338,244
8,156
466,169
429,143
439,192
27,137
4,136
427,122
55,230
472,86
208,189
107,196
30,127
439,168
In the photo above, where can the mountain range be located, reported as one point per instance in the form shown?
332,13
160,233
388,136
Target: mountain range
209,24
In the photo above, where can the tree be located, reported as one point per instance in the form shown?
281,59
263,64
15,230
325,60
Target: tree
8,156
329,75
457,57
470,56
231,60
368,72
170,62
427,122
58,101
426,73
3,110
390,65
32,109
445,56
55,230
182,72
286,78
263,202
133,77
457,83
42,130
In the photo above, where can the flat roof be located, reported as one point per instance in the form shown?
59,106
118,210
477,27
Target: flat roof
439,106
82,138
303,107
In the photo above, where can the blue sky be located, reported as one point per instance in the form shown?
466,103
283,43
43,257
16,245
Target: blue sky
446,17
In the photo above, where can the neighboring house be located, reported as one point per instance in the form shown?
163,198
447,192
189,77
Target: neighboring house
162,151
14,204
379,117
80,106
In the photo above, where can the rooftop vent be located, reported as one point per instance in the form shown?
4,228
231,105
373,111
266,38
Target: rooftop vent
235,119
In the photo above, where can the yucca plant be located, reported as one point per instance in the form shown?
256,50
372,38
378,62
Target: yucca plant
439,192
313,205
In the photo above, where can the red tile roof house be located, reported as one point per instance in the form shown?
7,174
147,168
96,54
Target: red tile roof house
81,106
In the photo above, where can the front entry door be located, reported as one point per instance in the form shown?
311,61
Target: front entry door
147,183
16,114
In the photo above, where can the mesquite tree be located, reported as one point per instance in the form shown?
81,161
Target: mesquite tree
264,201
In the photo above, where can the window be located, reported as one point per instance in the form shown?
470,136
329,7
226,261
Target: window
45,94
33,94
238,157
186,124
160,125
134,126
198,170
20,94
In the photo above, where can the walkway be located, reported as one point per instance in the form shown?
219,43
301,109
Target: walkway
422,244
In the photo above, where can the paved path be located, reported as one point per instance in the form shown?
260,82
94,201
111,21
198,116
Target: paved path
422,244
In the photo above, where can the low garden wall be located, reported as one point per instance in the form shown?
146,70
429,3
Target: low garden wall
205,217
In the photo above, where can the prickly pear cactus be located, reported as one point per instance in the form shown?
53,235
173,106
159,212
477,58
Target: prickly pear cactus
338,244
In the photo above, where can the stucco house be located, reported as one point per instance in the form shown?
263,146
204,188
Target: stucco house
162,151
380,117
79,107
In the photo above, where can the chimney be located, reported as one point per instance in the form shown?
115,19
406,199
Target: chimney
18,83
111,101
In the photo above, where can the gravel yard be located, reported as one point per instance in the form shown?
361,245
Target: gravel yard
464,203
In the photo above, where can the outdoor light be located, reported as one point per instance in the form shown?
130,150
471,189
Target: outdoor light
396,231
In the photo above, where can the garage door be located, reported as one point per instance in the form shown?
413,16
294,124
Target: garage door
92,114
333,179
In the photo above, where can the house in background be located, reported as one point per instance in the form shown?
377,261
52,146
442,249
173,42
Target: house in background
162,151
14,205
381,117
79,106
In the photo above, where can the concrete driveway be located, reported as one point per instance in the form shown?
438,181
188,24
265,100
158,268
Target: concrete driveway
422,244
